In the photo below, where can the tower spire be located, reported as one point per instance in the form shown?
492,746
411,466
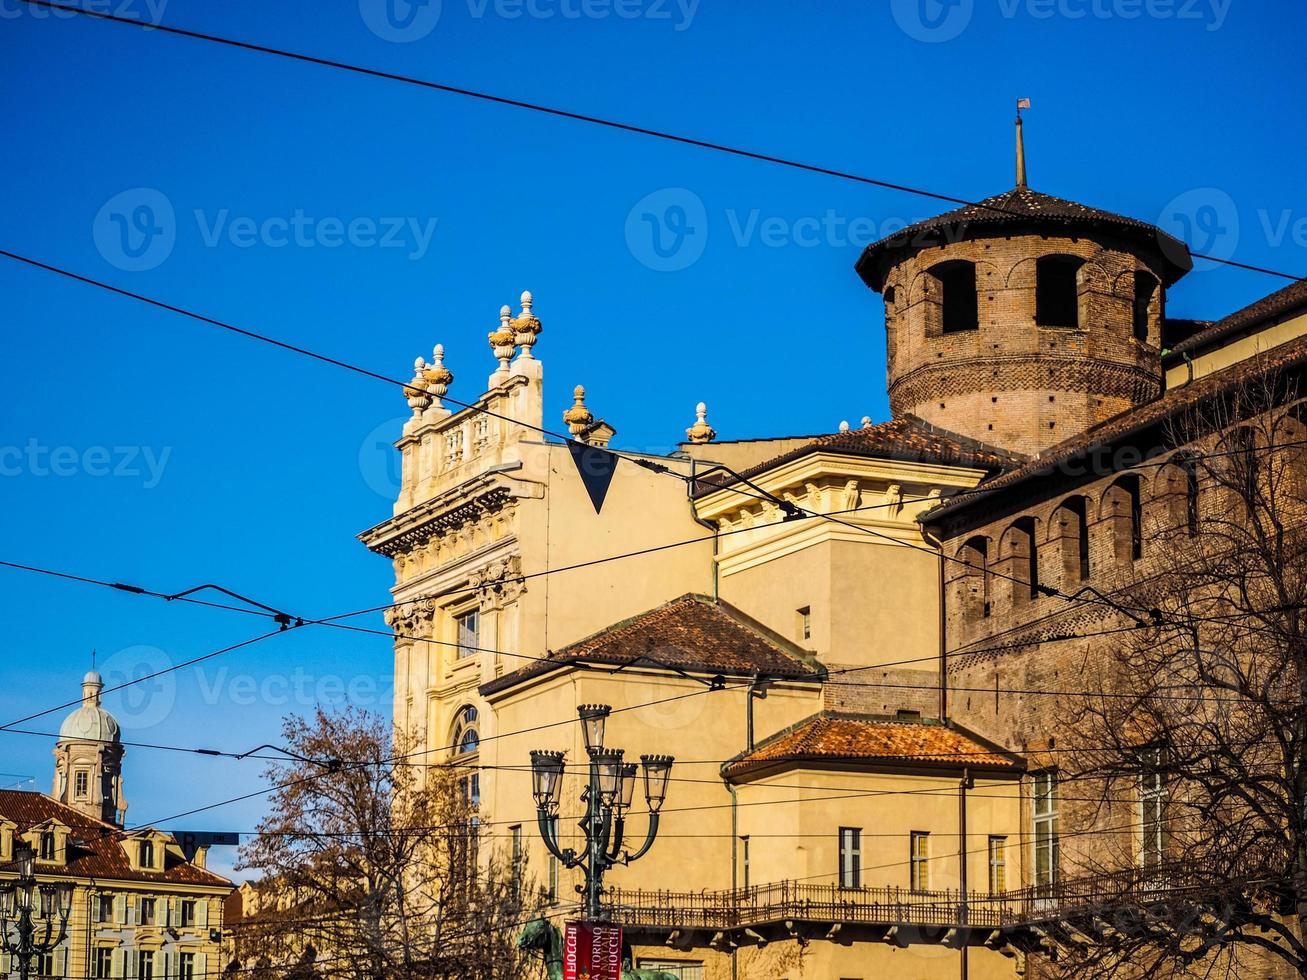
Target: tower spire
1021,144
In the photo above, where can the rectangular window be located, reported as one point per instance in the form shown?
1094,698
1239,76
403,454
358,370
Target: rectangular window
1044,809
187,913
1152,796
145,965
44,964
744,841
997,865
469,633
102,962
805,622
81,783
47,846
146,917
146,856
920,858
104,908
552,893
515,869
186,966
850,857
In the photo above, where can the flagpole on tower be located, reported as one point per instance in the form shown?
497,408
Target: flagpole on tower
1021,144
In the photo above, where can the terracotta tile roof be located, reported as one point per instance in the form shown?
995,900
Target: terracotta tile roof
692,633
1020,206
1288,356
864,742
94,847
906,438
1283,301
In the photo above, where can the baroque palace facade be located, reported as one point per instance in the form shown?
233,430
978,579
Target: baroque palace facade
141,908
830,687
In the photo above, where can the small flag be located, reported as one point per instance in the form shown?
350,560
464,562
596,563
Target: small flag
596,467
1023,103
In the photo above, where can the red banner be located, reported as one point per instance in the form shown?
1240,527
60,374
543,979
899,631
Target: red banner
592,951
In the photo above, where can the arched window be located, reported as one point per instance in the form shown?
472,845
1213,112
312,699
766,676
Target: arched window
890,294
1189,487
1145,288
1071,530
955,283
1025,554
976,578
1123,506
466,741
467,738
1057,293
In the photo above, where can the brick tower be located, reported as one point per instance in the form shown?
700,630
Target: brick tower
1024,319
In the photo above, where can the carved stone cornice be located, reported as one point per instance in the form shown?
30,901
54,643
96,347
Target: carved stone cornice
415,528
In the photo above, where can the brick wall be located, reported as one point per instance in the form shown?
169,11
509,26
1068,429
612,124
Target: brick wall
1012,382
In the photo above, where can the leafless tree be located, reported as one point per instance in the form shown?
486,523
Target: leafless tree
1190,769
376,866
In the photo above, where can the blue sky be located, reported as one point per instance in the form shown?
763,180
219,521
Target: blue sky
370,220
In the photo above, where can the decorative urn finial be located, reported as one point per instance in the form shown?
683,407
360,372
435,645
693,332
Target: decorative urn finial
502,340
416,390
844,425
701,431
527,327
578,416
438,377
866,421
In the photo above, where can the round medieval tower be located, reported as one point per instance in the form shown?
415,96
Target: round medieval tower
1024,319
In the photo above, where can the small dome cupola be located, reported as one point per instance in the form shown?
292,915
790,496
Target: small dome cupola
90,721
1024,319
88,757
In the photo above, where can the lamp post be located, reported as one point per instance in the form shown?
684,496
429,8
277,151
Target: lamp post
32,904
607,798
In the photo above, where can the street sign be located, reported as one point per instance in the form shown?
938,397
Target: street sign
192,840
592,951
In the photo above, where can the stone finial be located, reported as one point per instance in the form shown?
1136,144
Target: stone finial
438,377
416,390
526,326
578,417
502,342
701,431
844,425
866,421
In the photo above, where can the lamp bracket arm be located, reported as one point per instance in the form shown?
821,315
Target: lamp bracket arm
619,833
547,834
648,841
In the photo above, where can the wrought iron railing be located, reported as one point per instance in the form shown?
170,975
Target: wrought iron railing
827,903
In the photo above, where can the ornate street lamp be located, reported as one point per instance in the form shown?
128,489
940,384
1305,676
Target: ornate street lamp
607,797
31,905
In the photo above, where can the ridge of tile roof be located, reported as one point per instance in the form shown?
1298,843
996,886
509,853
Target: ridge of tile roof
94,847
906,438
691,633
1171,403
1021,205
832,737
1268,307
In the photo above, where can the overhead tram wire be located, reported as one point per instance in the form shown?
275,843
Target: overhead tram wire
579,117
1085,596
